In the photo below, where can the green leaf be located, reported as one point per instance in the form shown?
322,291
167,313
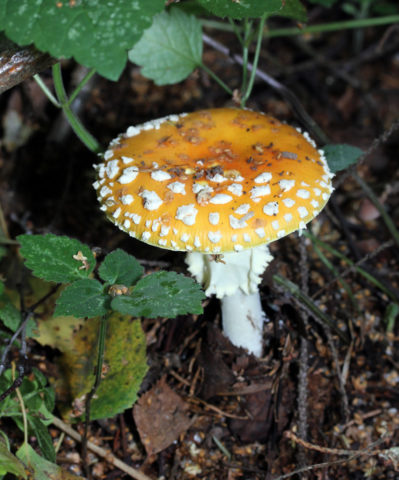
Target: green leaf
241,9
51,257
83,298
9,463
170,49
39,377
40,467
125,366
293,9
120,268
43,438
96,33
161,294
341,156
9,314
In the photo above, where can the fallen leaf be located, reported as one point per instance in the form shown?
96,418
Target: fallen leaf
160,417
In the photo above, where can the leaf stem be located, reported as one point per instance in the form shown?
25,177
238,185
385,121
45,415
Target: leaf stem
255,60
46,90
80,85
333,26
236,30
216,78
98,375
245,50
321,28
77,126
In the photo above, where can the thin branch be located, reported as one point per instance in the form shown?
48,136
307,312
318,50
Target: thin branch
101,452
377,142
352,454
303,356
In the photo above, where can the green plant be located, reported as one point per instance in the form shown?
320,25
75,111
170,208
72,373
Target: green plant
29,405
119,287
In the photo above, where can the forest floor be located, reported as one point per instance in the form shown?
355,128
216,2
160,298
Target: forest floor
207,409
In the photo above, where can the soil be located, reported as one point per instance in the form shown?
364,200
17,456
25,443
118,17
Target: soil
207,409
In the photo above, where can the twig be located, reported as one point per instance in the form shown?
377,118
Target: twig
21,368
101,452
303,356
377,142
209,406
341,382
27,314
352,454
337,451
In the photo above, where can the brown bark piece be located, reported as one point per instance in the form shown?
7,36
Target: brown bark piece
19,63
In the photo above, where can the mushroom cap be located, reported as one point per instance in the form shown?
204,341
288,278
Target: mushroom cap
212,181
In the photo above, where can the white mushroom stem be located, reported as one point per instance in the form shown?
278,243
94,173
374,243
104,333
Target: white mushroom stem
235,279
242,318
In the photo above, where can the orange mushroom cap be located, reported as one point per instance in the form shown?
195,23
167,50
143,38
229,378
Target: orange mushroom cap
212,181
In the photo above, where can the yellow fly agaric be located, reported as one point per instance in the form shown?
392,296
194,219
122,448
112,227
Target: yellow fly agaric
220,184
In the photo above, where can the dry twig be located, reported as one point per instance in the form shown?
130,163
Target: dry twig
101,452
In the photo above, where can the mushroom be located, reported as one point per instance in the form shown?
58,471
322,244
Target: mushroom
220,184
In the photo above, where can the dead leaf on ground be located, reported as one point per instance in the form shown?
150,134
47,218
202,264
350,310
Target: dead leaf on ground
160,417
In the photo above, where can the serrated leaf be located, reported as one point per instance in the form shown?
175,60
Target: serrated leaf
119,267
161,294
83,298
125,366
95,33
43,438
170,49
241,9
40,468
51,257
9,463
341,156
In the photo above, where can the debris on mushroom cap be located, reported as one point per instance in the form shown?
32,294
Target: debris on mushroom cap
212,181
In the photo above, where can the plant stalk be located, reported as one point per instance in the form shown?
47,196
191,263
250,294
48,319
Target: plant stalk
77,126
98,375
255,61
